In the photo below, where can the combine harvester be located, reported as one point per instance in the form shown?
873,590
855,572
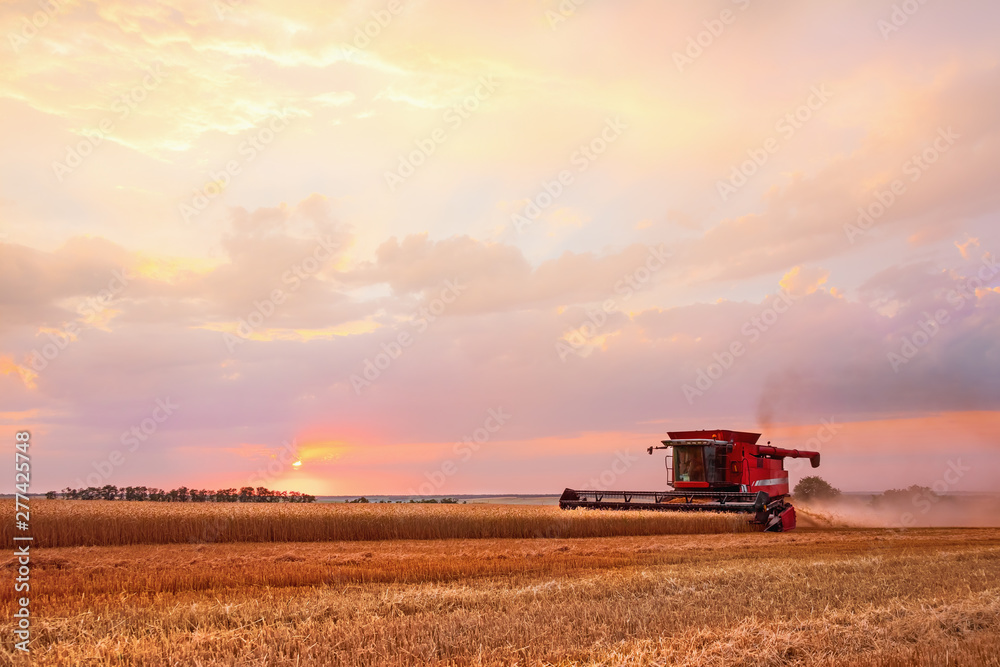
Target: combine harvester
712,471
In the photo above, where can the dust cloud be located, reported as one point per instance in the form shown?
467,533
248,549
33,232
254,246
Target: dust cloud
912,510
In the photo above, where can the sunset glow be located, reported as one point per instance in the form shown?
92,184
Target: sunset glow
460,249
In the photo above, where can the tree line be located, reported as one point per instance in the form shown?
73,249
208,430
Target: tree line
246,494
817,488
433,501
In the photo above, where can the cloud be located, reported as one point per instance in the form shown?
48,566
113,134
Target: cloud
804,219
314,267
499,277
36,287
799,282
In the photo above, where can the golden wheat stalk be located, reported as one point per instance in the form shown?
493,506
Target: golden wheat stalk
62,523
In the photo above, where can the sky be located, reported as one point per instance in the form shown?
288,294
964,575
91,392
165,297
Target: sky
404,246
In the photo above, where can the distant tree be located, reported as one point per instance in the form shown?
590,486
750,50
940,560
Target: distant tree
913,495
184,494
50,495
815,488
362,499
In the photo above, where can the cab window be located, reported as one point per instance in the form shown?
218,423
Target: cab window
689,464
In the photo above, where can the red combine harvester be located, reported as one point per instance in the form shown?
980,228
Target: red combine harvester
712,471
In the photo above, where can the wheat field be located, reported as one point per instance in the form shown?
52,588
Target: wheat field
66,523
866,597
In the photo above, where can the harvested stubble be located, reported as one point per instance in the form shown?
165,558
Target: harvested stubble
67,523
865,598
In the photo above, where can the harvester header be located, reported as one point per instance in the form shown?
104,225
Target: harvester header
719,471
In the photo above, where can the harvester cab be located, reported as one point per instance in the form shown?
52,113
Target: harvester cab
717,471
